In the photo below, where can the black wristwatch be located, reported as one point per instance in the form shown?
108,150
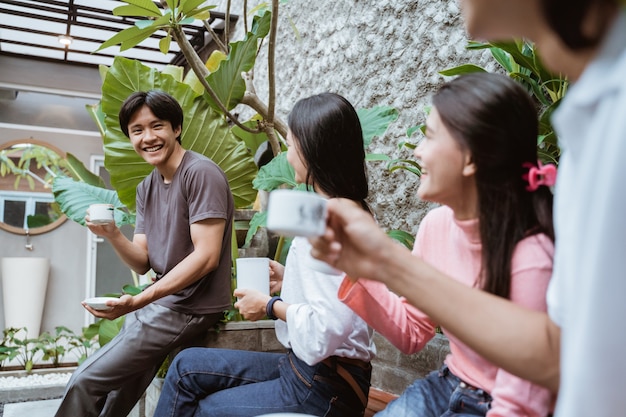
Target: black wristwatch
269,308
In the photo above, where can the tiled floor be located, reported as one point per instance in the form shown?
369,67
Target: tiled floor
45,408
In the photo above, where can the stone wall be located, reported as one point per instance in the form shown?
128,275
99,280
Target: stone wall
383,52
393,370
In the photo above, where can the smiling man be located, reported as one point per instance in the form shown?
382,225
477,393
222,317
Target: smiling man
184,212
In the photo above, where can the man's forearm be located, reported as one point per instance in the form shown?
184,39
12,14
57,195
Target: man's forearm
133,255
189,270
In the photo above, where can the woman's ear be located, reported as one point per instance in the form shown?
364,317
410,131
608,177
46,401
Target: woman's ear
469,168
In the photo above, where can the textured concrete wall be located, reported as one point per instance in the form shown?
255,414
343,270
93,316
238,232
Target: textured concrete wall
393,371
385,52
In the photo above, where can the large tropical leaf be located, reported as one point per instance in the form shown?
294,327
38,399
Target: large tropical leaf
204,131
75,197
375,121
227,81
252,140
275,173
79,172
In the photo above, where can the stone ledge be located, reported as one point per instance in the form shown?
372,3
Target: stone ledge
35,392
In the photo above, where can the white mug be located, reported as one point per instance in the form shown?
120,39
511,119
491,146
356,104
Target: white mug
101,213
296,213
254,273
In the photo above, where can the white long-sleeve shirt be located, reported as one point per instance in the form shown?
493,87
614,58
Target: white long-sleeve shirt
318,324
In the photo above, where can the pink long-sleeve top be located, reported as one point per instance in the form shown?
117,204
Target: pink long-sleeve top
454,248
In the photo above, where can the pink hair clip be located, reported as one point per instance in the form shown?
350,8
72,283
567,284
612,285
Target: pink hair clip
539,175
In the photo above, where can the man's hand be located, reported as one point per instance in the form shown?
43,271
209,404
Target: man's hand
119,307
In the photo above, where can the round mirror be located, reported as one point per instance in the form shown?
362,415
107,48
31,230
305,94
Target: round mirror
27,168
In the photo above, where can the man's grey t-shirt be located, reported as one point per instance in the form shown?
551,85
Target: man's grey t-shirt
199,190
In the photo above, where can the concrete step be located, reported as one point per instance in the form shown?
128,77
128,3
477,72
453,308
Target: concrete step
44,408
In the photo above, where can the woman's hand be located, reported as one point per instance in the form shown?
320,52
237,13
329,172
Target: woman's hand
277,270
251,303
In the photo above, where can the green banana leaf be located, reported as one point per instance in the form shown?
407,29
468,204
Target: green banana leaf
204,131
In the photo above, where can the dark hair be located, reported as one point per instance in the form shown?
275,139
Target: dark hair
329,137
162,105
494,118
566,17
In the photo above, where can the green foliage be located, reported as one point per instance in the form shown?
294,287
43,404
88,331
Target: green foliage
31,156
375,121
84,344
163,368
48,347
279,174
402,237
53,345
204,131
7,353
27,348
522,63
79,172
179,13
75,197
252,140
276,173
227,82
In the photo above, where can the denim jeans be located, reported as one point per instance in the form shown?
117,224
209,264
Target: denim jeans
232,383
438,395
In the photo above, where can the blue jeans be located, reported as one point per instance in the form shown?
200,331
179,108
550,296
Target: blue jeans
231,383
438,395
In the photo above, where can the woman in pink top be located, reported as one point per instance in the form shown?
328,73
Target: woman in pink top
494,231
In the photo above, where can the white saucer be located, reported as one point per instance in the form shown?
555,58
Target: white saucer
102,221
99,303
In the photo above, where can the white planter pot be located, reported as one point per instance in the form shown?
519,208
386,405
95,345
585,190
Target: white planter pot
24,284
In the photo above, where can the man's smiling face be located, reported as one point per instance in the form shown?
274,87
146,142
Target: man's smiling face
152,138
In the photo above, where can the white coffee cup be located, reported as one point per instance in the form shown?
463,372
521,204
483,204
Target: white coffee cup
101,213
296,213
253,273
